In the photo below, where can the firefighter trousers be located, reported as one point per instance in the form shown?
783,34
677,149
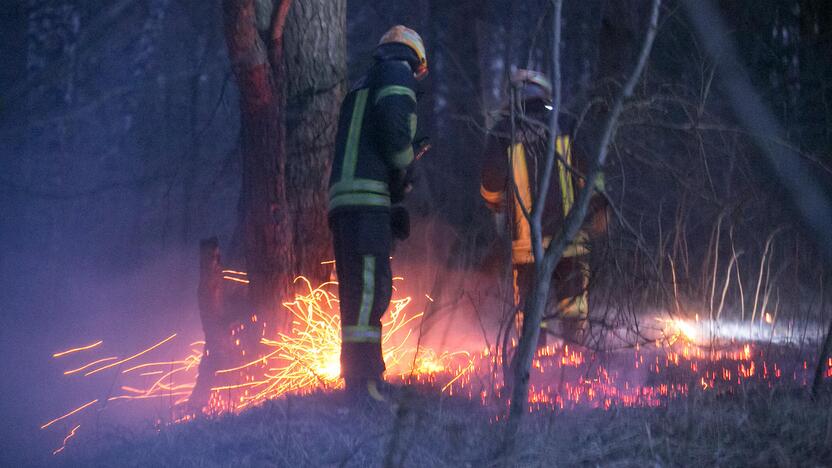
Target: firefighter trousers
362,242
568,298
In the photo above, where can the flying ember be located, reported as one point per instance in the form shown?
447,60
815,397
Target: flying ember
305,359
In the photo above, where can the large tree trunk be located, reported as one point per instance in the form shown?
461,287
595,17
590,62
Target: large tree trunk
316,66
254,32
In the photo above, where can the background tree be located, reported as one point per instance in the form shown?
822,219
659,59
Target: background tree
316,78
254,33
286,153
289,109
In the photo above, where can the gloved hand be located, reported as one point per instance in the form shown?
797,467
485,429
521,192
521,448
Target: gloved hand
401,181
400,185
400,222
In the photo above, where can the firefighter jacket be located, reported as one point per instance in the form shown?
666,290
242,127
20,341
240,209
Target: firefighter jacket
375,135
522,158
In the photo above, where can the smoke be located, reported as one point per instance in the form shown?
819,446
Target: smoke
50,307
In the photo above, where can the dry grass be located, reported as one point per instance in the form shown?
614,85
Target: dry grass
770,428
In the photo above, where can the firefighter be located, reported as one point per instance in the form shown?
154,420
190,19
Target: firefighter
368,182
516,151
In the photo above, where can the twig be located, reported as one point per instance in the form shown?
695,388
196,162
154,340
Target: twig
545,262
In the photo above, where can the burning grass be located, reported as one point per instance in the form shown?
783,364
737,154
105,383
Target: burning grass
756,428
672,375
303,360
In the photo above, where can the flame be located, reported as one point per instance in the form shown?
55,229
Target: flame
306,359
302,360
676,329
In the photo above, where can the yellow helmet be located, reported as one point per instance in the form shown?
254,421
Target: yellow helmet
403,35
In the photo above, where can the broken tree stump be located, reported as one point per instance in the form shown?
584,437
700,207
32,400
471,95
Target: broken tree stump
211,314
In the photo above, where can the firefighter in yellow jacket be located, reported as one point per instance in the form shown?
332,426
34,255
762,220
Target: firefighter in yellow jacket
373,151
516,153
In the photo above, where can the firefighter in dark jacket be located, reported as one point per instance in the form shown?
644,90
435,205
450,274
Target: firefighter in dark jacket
517,151
369,179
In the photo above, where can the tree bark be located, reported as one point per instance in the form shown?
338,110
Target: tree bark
214,322
254,35
316,71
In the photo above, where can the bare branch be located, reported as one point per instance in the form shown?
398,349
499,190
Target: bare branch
279,23
546,261
537,214
575,218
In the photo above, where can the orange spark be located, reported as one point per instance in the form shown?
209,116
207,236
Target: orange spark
152,364
238,280
261,360
232,272
76,410
66,439
131,357
146,397
73,371
75,350
306,358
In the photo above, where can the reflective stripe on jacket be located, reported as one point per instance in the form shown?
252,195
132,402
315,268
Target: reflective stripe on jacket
524,164
375,136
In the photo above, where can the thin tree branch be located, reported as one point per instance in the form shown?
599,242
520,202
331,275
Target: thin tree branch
575,218
539,207
572,223
279,23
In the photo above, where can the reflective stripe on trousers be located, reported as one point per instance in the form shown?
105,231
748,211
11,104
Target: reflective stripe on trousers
362,262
